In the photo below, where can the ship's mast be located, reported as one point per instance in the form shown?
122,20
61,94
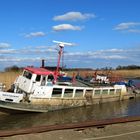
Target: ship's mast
60,52
61,46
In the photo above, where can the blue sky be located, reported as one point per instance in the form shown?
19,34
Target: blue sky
106,33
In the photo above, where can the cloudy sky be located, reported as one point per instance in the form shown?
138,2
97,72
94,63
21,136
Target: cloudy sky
106,33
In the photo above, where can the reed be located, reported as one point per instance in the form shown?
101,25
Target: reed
121,73
8,78
128,73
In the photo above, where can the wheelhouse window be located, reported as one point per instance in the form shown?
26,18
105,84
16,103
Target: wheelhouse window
50,78
38,77
43,82
27,74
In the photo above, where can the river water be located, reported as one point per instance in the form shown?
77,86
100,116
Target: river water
99,111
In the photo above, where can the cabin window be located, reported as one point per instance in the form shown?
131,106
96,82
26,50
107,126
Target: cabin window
50,78
105,91
27,74
43,82
112,91
79,93
97,92
68,93
57,92
38,77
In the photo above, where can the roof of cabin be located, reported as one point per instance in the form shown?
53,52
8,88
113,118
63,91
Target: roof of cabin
39,71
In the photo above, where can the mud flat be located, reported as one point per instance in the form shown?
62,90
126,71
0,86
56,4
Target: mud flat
123,131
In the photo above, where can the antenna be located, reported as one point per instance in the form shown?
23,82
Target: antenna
61,46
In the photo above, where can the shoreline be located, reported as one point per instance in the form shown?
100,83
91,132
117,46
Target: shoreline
121,131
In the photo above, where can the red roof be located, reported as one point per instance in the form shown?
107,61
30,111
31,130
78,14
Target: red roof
39,71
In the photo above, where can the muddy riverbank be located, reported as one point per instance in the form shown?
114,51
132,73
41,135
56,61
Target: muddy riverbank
123,131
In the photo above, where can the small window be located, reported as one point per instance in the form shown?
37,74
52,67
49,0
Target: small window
50,78
97,92
112,91
57,92
68,93
38,77
27,74
43,82
105,91
79,93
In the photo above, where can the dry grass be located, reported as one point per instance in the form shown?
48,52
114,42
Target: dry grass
121,73
9,77
128,73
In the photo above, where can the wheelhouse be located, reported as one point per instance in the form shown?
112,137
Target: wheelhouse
33,77
40,75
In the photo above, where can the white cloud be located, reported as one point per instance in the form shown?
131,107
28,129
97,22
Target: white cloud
134,30
34,55
73,16
39,50
35,34
47,48
64,27
12,59
101,54
4,45
113,57
112,50
8,51
128,27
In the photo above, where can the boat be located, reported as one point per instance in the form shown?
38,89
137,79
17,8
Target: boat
37,90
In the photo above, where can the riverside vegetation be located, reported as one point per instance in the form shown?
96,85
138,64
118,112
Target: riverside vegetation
9,77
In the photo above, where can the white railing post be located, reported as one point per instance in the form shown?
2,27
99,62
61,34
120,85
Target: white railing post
108,91
73,95
93,93
101,90
115,91
63,91
84,92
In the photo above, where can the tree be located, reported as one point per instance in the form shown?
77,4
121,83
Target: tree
12,68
